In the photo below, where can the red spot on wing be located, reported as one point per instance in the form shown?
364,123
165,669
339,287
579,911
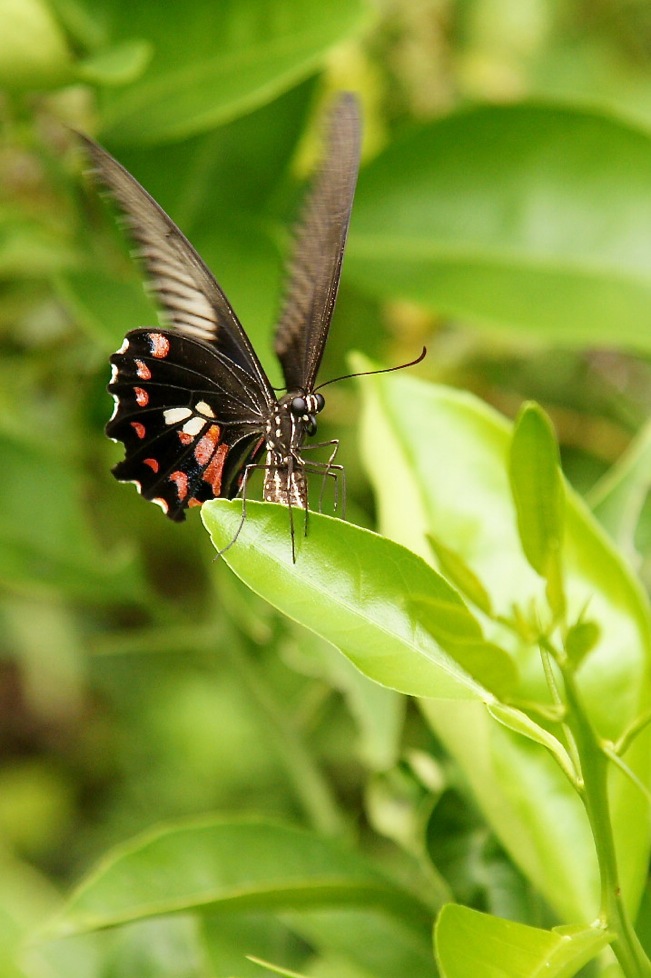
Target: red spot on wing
180,480
143,370
152,463
159,344
142,397
138,428
184,437
194,502
213,473
205,448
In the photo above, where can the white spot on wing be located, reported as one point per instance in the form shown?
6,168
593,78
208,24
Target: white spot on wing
205,409
116,406
174,415
125,345
194,426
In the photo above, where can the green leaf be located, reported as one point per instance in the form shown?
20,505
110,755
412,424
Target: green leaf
29,249
444,471
46,542
217,865
118,65
348,585
617,499
378,944
520,723
460,634
212,64
105,304
581,638
470,944
457,571
489,215
33,50
539,496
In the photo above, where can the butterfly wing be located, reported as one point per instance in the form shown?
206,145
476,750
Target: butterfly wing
188,419
187,292
319,250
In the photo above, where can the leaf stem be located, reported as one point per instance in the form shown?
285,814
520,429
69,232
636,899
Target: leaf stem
613,914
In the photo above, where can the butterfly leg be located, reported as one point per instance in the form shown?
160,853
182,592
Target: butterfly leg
248,469
326,469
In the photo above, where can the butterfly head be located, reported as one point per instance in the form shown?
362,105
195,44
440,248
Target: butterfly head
305,407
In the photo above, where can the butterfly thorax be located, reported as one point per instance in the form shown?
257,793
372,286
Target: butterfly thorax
292,421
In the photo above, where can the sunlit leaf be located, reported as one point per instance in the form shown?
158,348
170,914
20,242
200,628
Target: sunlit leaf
348,585
447,475
539,496
470,944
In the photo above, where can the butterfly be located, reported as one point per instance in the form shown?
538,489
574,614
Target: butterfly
194,407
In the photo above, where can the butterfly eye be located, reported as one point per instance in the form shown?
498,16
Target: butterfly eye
320,402
298,406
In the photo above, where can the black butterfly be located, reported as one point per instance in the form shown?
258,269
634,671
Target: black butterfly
193,405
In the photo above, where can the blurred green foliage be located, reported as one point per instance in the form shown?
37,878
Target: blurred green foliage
503,217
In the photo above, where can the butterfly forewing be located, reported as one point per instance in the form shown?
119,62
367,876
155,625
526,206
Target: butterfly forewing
318,252
186,291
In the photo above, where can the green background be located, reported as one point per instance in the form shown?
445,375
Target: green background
503,218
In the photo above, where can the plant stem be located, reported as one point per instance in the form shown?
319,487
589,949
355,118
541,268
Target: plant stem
613,914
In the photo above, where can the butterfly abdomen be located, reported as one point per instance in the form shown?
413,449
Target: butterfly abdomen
284,483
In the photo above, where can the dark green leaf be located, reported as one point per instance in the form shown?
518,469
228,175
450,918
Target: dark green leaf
237,866
213,63
491,215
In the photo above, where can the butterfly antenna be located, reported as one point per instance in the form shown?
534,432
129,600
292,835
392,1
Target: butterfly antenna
372,373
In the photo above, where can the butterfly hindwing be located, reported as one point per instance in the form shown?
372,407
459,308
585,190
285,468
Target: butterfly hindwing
188,425
318,251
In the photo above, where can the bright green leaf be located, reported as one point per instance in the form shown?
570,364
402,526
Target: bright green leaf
348,585
581,638
618,497
470,944
537,487
539,496
520,723
460,635
33,50
447,618
489,215
447,476
459,573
